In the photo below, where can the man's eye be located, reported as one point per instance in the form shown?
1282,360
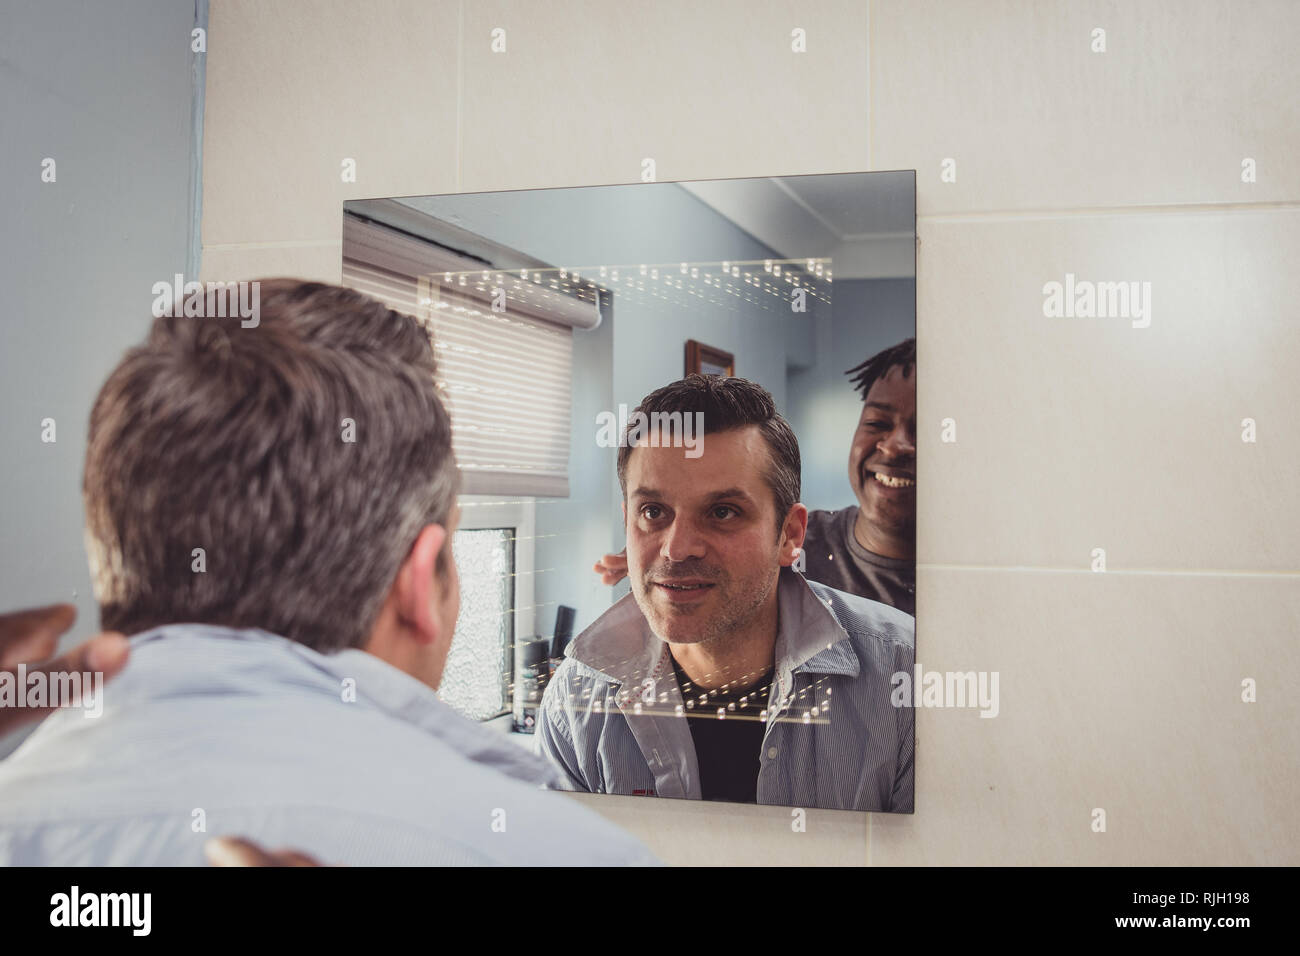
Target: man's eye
723,511
877,424
650,512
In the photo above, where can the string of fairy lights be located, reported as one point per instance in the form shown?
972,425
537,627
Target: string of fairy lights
762,283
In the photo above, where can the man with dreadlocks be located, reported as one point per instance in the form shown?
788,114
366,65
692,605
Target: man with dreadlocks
868,549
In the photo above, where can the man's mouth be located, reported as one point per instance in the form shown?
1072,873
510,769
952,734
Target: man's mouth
891,481
684,593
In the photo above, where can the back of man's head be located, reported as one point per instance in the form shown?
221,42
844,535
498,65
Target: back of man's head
271,477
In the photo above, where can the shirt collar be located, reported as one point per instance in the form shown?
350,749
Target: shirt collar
253,657
621,647
413,702
810,638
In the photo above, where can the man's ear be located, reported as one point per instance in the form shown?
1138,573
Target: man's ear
419,590
792,533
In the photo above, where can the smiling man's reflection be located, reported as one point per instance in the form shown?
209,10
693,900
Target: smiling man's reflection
868,548
724,674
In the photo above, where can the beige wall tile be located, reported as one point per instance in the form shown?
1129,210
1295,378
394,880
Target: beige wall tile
1118,692
1083,433
699,833
1035,120
586,90
294,88
322,261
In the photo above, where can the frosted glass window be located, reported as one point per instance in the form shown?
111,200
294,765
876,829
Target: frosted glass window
473,681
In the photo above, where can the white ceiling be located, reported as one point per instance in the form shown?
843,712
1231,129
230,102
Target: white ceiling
866,222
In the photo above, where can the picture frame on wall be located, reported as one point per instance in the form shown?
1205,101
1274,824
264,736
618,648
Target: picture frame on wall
707,360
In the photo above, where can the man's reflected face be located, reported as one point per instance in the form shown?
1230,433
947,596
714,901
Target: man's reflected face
882,459
703,550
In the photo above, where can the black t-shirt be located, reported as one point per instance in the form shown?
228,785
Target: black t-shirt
727,749
834,557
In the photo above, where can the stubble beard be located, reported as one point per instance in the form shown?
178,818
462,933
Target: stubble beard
727,626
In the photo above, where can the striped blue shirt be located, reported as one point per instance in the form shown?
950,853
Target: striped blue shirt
613,719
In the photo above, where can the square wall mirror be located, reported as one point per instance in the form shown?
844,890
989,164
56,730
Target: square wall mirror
685,418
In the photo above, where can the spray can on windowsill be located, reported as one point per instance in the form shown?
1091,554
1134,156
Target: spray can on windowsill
532,670
537,659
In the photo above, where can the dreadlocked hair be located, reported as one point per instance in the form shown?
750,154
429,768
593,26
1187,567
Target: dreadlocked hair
864,376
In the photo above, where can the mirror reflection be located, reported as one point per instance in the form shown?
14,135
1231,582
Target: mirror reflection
684,415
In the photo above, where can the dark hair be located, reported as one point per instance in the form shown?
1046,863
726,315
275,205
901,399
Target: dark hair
234,440
864,376
728,403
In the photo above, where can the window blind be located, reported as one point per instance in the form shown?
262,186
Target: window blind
506,376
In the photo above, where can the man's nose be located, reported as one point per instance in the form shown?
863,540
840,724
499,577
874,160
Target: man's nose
682,540
899,443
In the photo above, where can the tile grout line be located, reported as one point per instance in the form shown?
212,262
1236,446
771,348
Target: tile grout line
460,90
870,111
1105,212
1129,572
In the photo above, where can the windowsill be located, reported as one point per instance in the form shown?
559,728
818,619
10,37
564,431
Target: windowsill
505,724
